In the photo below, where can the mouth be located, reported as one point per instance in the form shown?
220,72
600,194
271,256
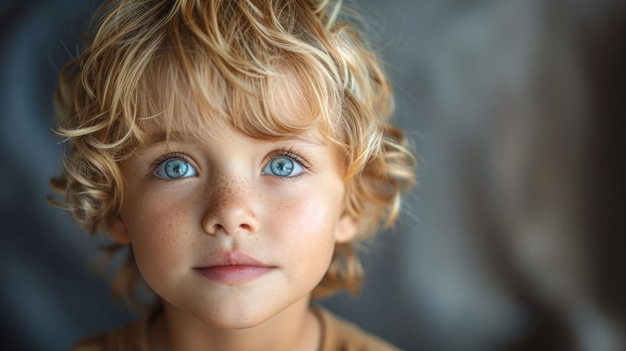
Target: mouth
232,268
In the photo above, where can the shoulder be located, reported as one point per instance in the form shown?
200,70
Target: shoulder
130,337
339,334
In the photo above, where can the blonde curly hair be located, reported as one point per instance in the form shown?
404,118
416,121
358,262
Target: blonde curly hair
221,59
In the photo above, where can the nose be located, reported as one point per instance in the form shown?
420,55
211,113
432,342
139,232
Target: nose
230,208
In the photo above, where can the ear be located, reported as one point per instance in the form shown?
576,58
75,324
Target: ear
346,228
119,232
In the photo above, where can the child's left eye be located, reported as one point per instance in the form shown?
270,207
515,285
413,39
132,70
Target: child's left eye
283,166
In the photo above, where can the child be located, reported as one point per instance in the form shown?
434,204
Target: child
242,149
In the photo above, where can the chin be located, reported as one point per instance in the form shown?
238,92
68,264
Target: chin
235,325
236,321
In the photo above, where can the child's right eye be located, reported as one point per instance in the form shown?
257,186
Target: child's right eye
175,168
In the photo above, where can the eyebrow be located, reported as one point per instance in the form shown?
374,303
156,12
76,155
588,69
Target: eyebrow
176,136
307,138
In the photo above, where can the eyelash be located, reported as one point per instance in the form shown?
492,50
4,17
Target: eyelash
291,153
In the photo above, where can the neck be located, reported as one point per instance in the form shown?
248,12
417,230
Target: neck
295,328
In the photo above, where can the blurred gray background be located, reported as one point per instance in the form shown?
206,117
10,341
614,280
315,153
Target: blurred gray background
514,239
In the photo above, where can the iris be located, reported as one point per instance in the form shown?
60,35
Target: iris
283,166
174,169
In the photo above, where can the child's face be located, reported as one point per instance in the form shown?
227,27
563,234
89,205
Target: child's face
194,205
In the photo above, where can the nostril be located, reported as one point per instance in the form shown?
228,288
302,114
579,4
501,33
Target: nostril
215,228
246,227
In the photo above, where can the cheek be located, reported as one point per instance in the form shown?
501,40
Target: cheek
157,231
307,240
306,223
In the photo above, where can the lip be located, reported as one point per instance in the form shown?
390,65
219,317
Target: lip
232,268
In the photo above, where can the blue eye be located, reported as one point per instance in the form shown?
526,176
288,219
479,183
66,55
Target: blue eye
175,168
283,166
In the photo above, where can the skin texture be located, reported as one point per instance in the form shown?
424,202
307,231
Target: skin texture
232,203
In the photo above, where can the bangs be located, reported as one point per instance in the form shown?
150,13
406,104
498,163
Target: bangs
268,90
288,100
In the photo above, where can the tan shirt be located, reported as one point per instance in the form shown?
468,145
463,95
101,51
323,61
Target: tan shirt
337,335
